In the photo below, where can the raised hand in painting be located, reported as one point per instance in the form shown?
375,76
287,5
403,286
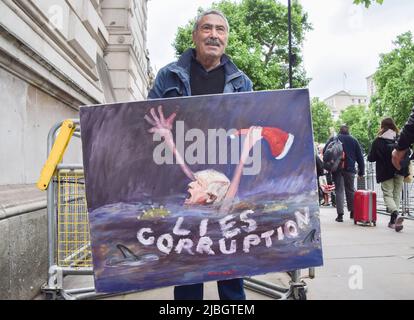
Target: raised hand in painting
160,125
253,135
163,127
279,141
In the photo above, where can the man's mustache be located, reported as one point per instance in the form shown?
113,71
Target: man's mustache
213,42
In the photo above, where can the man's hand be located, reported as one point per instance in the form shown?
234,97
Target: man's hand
160,125
397,157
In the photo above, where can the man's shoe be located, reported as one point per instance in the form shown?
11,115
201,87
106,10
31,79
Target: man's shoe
391,225
399,224
339,219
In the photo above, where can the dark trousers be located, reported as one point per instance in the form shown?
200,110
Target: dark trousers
344,184
227,289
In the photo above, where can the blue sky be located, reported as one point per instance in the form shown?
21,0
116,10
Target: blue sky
346,39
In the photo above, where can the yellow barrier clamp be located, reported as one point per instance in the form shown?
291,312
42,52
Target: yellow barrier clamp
56,154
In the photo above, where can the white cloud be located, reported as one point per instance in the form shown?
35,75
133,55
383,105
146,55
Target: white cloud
349,39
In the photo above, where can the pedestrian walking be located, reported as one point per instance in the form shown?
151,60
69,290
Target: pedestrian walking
344,174
388,176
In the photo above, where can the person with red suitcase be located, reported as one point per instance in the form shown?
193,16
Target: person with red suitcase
388,176
344,174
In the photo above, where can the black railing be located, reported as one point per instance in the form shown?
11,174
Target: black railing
370,183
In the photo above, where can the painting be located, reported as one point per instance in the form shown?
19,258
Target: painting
195,189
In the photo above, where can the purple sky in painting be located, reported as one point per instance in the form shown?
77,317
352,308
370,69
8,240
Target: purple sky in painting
117,149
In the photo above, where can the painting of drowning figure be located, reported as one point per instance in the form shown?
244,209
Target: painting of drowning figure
203,188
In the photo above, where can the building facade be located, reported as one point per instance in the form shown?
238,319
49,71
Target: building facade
343,99
371,88
56,55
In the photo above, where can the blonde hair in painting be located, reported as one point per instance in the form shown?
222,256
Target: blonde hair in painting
217,182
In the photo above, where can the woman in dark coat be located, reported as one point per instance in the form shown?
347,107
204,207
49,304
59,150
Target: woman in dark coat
388,176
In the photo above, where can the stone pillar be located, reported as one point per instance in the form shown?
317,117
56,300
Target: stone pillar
127,55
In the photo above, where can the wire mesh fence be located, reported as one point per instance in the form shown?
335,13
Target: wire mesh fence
73,239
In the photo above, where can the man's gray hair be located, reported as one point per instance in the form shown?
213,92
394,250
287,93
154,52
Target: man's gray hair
206,13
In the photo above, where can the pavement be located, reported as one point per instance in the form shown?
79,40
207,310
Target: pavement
360,263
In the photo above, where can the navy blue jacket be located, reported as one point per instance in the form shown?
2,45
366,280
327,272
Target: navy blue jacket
173,80
353,153
407,133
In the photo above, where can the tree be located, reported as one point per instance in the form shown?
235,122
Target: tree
358,120
322,120
394,97
367,3
258,41
394,81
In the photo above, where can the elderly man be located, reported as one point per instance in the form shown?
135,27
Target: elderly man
204,70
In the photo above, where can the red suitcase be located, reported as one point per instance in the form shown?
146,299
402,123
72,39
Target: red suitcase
365,207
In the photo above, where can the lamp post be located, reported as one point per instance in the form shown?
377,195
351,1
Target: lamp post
290,44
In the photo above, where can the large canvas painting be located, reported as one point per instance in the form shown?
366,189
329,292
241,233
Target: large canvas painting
195,189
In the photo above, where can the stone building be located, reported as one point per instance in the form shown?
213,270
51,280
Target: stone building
343,99
55,55
371,87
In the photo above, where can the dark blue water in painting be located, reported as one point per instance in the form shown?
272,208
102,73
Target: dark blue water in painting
119,223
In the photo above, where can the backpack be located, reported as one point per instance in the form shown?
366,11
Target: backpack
334,155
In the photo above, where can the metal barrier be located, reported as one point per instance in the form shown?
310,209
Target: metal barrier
407,198
296,290
69,251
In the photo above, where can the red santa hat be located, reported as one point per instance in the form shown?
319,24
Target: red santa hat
278,140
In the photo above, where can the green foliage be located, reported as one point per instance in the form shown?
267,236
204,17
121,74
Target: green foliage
394,80
367,3
258,40
361,125
322,121
394,95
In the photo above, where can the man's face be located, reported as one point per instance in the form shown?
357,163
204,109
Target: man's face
197,192
211,36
